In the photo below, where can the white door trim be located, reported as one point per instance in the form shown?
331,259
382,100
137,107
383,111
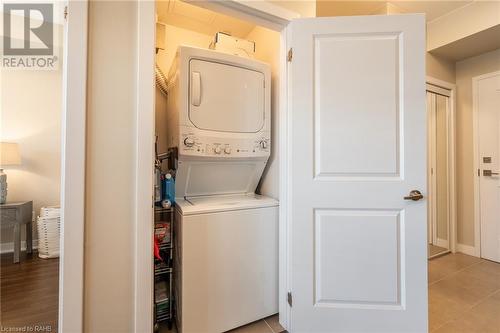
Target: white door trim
261,13
440,85
145,130
431,165
284,189
475,139
71,272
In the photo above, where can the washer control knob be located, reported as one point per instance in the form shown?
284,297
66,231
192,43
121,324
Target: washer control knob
189,142
217,150
263,144
227,150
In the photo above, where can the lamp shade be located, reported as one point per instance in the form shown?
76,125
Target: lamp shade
9,154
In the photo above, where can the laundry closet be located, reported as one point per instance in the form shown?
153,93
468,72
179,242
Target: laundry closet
216,127
352,177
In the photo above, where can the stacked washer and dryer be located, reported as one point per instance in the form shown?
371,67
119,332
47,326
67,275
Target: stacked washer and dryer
226,255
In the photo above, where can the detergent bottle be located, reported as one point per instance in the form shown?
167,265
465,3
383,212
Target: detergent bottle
169,188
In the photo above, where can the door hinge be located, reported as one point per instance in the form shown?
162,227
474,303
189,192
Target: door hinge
289,55
65,12
289,298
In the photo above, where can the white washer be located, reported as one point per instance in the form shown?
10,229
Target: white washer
226,262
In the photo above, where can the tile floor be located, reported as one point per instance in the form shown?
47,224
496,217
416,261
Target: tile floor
266,325
464,297
434,250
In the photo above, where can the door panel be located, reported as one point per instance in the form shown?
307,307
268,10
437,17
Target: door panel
357,129
350,142
226,98
341,280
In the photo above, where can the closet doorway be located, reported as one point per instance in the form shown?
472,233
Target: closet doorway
441,208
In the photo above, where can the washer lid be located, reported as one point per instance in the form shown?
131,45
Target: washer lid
225,97
222,203
207,176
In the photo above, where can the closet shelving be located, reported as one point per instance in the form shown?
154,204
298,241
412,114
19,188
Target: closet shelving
163,269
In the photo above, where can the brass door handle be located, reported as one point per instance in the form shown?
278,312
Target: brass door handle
415,195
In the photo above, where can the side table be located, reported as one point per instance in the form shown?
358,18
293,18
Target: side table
17,214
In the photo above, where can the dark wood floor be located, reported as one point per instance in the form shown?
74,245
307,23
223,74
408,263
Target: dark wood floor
29,293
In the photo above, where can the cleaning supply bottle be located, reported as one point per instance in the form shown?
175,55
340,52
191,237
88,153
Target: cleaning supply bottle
169,188
157,187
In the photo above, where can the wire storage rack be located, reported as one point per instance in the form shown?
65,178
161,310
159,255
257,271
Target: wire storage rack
163,268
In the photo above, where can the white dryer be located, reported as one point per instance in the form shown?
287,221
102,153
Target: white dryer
219,118
226,257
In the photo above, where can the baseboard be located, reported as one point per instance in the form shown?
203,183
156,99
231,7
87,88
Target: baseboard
467,249
442,243
9,247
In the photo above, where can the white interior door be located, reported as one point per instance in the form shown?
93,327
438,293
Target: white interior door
488,108
357,132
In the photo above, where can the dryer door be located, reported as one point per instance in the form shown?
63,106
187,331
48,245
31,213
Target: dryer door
226,98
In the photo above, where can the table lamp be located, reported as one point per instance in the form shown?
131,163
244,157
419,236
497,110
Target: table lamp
9,155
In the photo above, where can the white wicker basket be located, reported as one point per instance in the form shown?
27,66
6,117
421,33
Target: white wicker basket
48,225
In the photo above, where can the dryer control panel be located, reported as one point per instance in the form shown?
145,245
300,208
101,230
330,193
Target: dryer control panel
196,145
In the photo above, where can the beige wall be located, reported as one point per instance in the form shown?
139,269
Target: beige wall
306,8
30,113
348,8
466,70
110,172
161,121
462,22
440,68
175,36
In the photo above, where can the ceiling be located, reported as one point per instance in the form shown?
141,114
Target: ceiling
432,9
478,43
184,15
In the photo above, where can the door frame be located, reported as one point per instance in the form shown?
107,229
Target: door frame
73,124
431,143
262,13
451,158
477,164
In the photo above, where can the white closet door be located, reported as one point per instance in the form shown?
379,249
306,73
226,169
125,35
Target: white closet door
357,132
